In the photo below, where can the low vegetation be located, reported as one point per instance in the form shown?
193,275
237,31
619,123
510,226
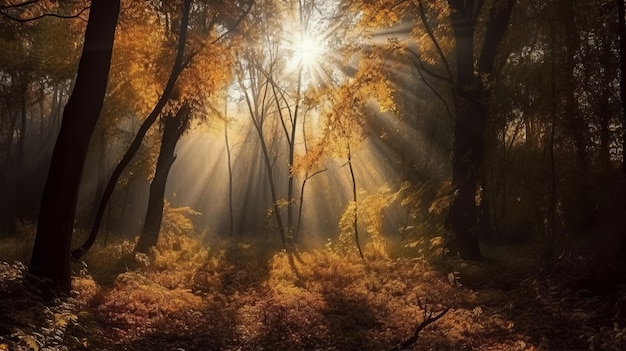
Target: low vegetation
238,295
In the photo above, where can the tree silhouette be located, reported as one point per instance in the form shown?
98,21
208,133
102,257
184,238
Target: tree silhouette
50,257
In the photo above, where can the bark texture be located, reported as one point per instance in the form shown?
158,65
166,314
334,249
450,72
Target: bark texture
50,258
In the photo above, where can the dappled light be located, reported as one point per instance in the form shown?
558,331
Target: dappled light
312,175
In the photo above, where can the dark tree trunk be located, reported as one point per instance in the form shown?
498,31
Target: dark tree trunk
231,217
173,128
22,193
50,258
622,59
468,148
467,159
622,62
177,69
467,145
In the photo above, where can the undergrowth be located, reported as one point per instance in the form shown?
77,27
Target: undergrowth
189,294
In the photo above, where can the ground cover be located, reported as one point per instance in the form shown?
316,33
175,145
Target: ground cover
228,295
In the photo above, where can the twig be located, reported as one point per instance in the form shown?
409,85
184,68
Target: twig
428,319
24,20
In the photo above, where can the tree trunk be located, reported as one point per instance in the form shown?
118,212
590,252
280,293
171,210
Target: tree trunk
468,148
467,145
50,257
231,217
355,221
622,59
178,67
23,195
173,128
258,115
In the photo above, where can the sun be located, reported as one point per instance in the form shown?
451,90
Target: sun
307,51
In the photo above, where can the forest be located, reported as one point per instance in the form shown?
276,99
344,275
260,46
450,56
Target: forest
312,175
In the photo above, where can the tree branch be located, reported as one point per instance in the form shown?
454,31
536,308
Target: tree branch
428,319
420,66
236,24
431,34
24,20
423,67
25,3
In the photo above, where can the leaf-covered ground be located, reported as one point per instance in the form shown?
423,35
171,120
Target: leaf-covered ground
234,296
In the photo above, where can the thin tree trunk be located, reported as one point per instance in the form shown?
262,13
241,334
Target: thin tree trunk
622,60
20,185
292,153
275,204
307,176
42,117
553,195
622,90
355,220
574,121
177,69
50,257
231,217
258,119
173,129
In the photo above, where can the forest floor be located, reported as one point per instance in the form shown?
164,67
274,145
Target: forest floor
235,296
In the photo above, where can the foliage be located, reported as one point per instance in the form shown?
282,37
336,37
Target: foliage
371,211
550,173
178,220
236,295
28,323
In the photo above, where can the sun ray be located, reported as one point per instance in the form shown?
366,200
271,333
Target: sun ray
307,50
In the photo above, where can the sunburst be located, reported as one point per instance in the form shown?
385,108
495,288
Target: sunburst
307,51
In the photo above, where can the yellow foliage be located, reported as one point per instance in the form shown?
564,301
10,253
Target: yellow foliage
178,220
443,199
62,320
86,287
370,213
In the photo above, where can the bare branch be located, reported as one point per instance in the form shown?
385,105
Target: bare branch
423,67
419,65
428,319
432,37
315,173
236,24
24,20
25,3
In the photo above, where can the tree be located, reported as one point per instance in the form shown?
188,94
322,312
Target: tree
472,92
173,128
621,13
178,67
622,56
256,87
38,61
195,87
50,257
471,84
197,50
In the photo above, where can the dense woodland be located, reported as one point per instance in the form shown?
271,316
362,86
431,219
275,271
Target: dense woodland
312,175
